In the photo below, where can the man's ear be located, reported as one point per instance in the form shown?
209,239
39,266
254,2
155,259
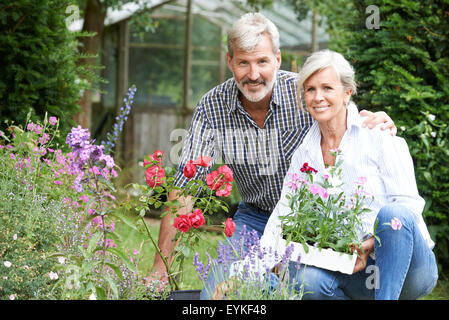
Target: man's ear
278,59
228,59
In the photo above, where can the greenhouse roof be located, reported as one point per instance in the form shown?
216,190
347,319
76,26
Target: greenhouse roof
224,13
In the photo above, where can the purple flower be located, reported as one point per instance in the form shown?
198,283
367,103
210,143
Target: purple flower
78,138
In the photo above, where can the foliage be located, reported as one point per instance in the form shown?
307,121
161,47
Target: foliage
39,63
402,68
321,214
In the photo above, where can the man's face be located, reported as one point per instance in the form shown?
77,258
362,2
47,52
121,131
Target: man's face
255,71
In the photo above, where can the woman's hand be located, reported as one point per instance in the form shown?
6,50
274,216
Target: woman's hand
375,118
363,253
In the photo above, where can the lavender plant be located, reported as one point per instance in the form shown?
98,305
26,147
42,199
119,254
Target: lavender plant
269,285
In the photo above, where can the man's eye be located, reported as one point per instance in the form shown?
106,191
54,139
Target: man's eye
327,88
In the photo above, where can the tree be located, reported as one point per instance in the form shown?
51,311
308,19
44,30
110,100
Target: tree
39,74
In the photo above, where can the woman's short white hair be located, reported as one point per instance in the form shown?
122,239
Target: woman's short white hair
327,58
247,32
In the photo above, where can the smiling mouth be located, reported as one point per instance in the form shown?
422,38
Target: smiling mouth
320,109
253,83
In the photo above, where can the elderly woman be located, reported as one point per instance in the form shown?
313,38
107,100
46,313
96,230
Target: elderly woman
404,259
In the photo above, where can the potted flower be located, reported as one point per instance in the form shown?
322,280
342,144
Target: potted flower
324,224
205,196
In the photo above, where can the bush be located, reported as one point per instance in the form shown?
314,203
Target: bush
402,68
38,62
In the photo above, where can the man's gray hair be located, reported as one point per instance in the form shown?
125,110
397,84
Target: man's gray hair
247,32
327,58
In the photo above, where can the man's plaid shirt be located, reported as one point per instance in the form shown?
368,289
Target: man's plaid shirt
259,158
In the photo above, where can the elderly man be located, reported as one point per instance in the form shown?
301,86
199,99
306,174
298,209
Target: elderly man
253,122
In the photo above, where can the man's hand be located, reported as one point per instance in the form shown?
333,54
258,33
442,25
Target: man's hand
377,118
160,281
363,253
224,287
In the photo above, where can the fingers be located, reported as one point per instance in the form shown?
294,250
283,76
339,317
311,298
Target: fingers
378,118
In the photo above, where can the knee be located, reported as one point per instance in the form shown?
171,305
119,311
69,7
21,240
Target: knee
395,211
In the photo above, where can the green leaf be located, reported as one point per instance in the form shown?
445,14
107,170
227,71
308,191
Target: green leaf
116,270
124,258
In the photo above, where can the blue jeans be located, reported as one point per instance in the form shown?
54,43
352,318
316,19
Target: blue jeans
405,267
253,219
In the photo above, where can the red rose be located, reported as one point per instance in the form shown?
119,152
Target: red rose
154,176
156,156
214,181
189,169
196,218
225,190
229,227
203,161
227,173
182,223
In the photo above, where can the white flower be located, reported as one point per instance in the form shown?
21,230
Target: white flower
433,134
12,297
53,275
403,128
61,260
93,296
14,237
7,264
335,181
431,117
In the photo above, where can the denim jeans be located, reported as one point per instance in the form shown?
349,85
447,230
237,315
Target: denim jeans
404,266
253,219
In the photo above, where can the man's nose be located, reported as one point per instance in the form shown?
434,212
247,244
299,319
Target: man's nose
254,72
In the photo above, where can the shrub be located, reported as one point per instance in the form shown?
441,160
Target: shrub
402,68
38,53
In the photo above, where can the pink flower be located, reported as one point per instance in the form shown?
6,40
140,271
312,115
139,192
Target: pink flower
227,172
396,224
182,223
156,156
189,169
225,190
361,180
84,198
196,218
214,181
203,161
57,182
229,227
154,176
52,120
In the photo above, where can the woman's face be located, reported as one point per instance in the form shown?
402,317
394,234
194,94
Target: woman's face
325,96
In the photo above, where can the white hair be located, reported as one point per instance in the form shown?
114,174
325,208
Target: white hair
324,59
247,32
